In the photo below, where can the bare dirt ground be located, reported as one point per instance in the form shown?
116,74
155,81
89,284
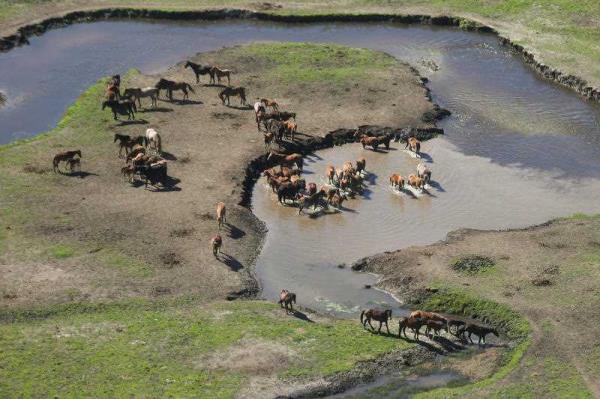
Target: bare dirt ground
126,241
550,274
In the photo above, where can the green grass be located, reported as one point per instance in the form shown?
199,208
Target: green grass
160,349
62,251
305,62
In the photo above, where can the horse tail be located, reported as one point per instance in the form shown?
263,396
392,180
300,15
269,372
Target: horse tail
189,87
361,316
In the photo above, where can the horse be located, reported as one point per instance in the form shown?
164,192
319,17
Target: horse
286,299
337,199
268,137
199,69
424,172
259,110
153,138
135,151
74,163
138,93
221,213
270,103
435,325
311,200
312,188
231,92
154,172
330,173
124,142
396,181
455,323
413,323
421,314
415,181
121,107
382,316
385,140
286,160
65,156
112,93
373,142
290,127
276,127
413,145
170,86
480,331
361,164
219,73
128,171
216,243
290,190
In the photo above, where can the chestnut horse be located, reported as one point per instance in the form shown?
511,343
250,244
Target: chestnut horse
216,243
414,323
382,316
286,160
416,182
480,331
373,142
413,145
270,103
221,213
330,173
396,181
361,165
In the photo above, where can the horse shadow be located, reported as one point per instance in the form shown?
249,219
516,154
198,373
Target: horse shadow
240,107
424,344
80,174
437,186
168,185
302,316
230,262
425,157
156,109
234,232
365,194
133,122
382,333
168,156
188,102
370,178
448,345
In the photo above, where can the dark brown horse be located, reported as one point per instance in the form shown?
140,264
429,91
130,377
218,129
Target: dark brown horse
311,200
232,92
126,107
414,323
382,316
286,299
480,331
435,325
170,86
200,69
65,156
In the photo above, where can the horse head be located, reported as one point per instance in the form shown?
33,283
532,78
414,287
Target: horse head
78,152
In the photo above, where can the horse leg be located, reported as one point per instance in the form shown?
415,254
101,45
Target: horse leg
387,327
379,330
470,338
228,80
371,325
115,115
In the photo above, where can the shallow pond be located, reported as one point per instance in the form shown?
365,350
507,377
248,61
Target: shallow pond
518,150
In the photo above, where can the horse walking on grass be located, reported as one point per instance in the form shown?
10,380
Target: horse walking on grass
126,108
382,316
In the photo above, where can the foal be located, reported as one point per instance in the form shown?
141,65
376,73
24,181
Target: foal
221,211
219,73
216,243
66,156
286,299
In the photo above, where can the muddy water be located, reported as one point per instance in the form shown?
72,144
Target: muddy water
517,151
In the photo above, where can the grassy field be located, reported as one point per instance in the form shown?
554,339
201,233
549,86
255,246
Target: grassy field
179,349
562,33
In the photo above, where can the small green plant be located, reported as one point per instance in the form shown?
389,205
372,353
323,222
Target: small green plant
62,251
472,264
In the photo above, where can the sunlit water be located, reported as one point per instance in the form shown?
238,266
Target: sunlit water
518,150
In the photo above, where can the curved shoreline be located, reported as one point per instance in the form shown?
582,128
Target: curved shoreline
20,37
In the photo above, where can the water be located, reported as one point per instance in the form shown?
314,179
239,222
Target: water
518,150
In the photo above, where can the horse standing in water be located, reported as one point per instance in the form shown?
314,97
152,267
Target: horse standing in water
200,69
382,316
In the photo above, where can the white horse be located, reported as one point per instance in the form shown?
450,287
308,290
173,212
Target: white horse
138,93
154,139
424,172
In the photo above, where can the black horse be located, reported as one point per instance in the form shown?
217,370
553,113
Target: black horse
200,69
126,107
170,86
382,316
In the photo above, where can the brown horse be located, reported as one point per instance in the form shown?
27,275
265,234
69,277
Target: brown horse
421,314
397,181
270,103
382,316
413,145
413,323
112,93
126,108
65,156
219,73
480,331
200,70
216,243
268,137
290,128
373,142
221,213
361,164
128,171
424,172
286,160
311,200
135,151
416,182
232,92
286,299
171,86
336,199
435,325
74,164
330,173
